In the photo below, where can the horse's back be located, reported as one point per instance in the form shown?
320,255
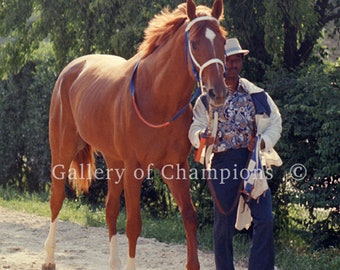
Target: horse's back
97,59
93,64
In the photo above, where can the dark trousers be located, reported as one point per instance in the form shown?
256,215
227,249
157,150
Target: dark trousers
226,180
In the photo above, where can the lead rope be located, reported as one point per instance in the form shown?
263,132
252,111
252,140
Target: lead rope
213,121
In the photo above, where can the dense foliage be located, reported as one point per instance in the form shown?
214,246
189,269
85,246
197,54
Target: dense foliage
39,37
309,103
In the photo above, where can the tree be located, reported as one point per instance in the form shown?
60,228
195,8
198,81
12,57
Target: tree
19,38
300,24
75,28
281,32
24,106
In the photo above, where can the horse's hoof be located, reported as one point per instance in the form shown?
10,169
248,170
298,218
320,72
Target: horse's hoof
50,266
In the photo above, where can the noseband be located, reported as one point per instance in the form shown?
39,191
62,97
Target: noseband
193,60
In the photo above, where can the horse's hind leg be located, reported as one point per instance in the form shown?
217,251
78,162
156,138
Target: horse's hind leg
59,172
115,173
179,186
64,143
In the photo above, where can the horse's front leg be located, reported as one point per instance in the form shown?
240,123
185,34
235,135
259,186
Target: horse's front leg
132,189
115,188
177,179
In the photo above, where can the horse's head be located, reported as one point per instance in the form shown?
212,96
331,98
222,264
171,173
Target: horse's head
205,43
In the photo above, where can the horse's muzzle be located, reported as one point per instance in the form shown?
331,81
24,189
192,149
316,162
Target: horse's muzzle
217,98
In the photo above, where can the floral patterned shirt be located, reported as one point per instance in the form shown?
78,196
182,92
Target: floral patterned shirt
236,121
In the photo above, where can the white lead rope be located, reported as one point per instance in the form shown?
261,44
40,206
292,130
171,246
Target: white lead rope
209,151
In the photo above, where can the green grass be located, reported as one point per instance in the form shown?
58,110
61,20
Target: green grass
72,211
291,255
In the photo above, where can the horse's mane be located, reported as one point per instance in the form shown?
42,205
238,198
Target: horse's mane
164,25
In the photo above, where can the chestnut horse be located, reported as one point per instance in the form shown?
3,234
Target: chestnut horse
137,113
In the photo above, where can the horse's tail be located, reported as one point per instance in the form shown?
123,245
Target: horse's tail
82,170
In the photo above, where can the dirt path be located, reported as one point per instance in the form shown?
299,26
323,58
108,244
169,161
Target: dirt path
22,239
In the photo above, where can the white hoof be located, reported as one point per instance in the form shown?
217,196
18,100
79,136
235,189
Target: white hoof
50,266
114,263
130,264
114,260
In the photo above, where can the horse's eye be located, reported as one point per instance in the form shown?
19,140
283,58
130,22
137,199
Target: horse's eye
194,45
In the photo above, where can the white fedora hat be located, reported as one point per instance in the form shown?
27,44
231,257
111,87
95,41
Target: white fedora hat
232,46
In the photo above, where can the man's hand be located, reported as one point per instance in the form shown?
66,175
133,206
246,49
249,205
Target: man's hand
209,139
251,144
263,144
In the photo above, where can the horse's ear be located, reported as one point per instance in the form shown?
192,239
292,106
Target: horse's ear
217,9
191,9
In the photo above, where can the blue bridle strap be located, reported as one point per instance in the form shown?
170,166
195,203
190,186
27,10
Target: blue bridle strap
132,81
